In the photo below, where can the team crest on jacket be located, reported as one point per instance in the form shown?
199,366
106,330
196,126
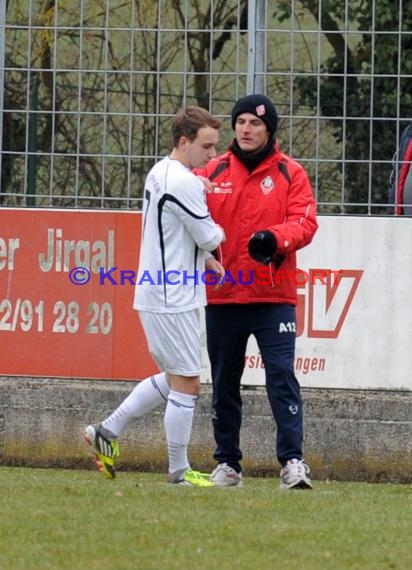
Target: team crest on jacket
267,185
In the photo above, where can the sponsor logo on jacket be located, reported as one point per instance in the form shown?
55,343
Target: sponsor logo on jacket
223,188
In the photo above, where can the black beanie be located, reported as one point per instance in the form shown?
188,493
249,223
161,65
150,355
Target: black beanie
260,106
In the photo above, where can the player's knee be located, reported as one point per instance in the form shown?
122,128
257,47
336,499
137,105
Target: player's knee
185,384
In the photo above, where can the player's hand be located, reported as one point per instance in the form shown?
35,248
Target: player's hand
214,265
262,246
208,185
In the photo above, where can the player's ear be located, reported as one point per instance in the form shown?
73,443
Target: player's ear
183,142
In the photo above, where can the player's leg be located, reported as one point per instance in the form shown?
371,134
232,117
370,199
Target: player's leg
177,346
178,422
227,334
147,395
275,335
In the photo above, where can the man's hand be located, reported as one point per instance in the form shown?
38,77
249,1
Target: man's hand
262,246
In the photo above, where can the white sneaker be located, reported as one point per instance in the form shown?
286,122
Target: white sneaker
294,475
226,476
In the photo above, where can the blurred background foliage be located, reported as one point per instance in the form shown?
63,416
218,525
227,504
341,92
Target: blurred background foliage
90,89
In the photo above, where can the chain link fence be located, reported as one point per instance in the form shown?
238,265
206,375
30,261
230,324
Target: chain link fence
90,87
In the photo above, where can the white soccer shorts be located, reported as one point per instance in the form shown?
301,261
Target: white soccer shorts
174,340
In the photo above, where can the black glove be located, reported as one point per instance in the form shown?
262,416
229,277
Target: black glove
262,246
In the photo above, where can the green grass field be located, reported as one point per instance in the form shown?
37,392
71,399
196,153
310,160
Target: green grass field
61,519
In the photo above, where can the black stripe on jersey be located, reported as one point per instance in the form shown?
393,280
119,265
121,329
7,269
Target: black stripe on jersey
147,196
162,201
195,263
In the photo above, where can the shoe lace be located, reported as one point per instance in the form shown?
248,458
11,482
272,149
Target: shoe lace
296,466
224,468
302,468
196,475
115,448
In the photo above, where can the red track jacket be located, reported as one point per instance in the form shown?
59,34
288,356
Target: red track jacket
276,196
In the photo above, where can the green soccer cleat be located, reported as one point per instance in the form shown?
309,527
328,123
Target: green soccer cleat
104,450
191,478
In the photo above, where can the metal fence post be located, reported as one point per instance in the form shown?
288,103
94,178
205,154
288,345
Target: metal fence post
256,78
32,141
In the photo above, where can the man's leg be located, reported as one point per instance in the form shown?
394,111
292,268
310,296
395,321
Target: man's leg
226,344
276,340
275,334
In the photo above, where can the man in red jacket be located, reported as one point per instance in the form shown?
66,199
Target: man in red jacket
263,199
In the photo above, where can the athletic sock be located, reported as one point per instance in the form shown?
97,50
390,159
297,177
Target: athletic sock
178,426
147,395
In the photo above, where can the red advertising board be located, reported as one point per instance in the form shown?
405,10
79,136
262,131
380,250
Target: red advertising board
59,315
65,311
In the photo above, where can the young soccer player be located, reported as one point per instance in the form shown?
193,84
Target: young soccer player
176,231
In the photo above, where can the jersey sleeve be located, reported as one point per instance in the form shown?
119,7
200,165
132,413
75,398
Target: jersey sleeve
189,205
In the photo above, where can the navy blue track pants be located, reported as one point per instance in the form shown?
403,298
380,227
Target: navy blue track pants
228,329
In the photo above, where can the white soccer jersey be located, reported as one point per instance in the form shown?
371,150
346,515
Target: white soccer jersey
176,229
